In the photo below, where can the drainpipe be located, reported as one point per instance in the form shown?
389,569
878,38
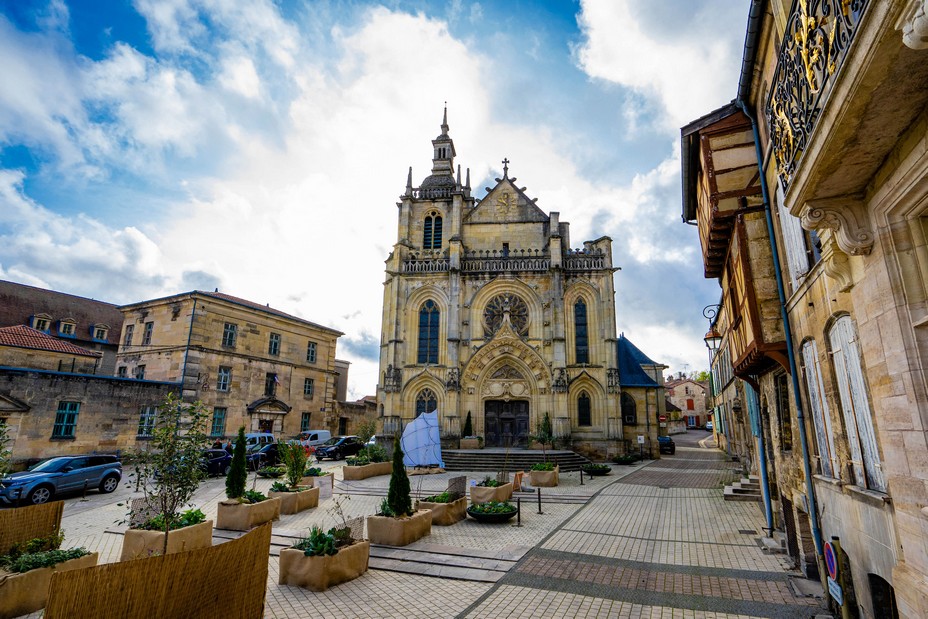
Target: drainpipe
183,373
754,415
788,332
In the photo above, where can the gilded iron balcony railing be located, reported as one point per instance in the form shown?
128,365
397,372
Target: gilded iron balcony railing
815,44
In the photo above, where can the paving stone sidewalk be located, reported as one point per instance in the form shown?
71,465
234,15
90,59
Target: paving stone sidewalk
651,540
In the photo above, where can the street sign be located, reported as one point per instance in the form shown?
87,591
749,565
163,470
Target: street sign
662,418
641,439
835,590
831,561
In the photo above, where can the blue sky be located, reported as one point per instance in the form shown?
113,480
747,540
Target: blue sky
149,147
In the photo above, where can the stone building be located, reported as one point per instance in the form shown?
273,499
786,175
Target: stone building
90,324
25,347
489,311
250,364
819,247
690,397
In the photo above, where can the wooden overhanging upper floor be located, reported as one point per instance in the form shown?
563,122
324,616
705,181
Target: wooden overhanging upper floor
720,179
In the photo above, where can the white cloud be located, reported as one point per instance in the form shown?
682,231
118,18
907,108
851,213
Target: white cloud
239,75
689,71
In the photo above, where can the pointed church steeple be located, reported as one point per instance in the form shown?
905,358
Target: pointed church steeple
441,181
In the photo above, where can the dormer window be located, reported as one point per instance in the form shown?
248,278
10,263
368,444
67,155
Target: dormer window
40,322
100,332
66,327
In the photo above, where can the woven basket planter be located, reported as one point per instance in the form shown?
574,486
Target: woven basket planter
355,473
391,531
295,502
237,516
484,494
140,544
320,573
21,594
446,514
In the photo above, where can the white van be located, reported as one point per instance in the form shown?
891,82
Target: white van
314,438
259,439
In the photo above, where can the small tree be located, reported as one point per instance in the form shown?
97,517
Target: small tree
468,426
545,435
398,495
366,429
294,458
238,474
170,470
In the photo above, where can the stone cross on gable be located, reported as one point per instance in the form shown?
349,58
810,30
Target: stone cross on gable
506,167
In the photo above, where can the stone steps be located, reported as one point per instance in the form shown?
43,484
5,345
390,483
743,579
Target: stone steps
748,489
493,460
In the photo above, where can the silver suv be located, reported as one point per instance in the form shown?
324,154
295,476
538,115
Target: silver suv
62,474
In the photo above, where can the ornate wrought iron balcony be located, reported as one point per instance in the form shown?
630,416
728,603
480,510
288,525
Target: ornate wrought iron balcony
815,44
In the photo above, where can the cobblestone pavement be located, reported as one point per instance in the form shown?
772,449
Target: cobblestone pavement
651,540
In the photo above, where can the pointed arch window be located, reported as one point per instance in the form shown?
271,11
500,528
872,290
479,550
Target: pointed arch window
431,231
584,410
426,402
629,410
581,338
428,332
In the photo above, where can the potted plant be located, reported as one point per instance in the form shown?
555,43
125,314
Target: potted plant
490,490
371,461
397,524
447,508
314,477
468,440
272,472
595,470
492,511
293,497
544,474
324,559
626,459
243,509
168,472
26,571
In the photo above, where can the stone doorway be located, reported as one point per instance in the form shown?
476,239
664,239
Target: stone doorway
506,423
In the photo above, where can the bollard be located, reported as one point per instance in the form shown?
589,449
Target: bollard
539,500
84,491
518,511
581,477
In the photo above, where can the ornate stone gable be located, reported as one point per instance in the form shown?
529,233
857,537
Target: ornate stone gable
515,357
506,203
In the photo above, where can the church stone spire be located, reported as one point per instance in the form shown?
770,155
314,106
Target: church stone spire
441,181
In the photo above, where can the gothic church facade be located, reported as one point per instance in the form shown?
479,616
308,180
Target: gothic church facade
489,312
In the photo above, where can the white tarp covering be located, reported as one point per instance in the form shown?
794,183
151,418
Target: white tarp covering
421,441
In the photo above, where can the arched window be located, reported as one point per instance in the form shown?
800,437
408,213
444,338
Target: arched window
431,231
581,341
428,332
855,405
426,402
584,415
629,411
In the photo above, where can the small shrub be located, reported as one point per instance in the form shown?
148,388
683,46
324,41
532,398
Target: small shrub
48,558
279,486
398,495
252,496
493,507
595,467
272,471
238,475
294,458
468,426
386,510
321,543
185,519
489,482
313,471
36,544
543,466
444,497
376,453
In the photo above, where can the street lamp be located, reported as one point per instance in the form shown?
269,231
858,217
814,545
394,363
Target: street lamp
712,340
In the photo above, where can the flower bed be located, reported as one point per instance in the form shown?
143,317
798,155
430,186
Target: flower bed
445,508
486,493
492,512
323,560
272,472
24,592
544,478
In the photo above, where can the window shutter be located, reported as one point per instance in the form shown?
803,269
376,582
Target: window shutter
820,415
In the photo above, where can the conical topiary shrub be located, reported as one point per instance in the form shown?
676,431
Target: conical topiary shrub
398,495
238,474
468,426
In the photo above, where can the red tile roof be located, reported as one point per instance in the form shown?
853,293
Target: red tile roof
22,336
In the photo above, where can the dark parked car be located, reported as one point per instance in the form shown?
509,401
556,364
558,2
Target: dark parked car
338,447
260,456
667,445
217,462
62,474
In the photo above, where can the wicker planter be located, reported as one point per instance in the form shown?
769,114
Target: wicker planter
446,514
237,516
319,481
355,473
484,494
391,531
320,573
295,502
471,443
545,479
21,594
140,544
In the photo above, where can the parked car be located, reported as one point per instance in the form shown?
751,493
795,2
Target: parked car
666,444
260,456
61,474
257,439
217,462
709,426
314,438
338,447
